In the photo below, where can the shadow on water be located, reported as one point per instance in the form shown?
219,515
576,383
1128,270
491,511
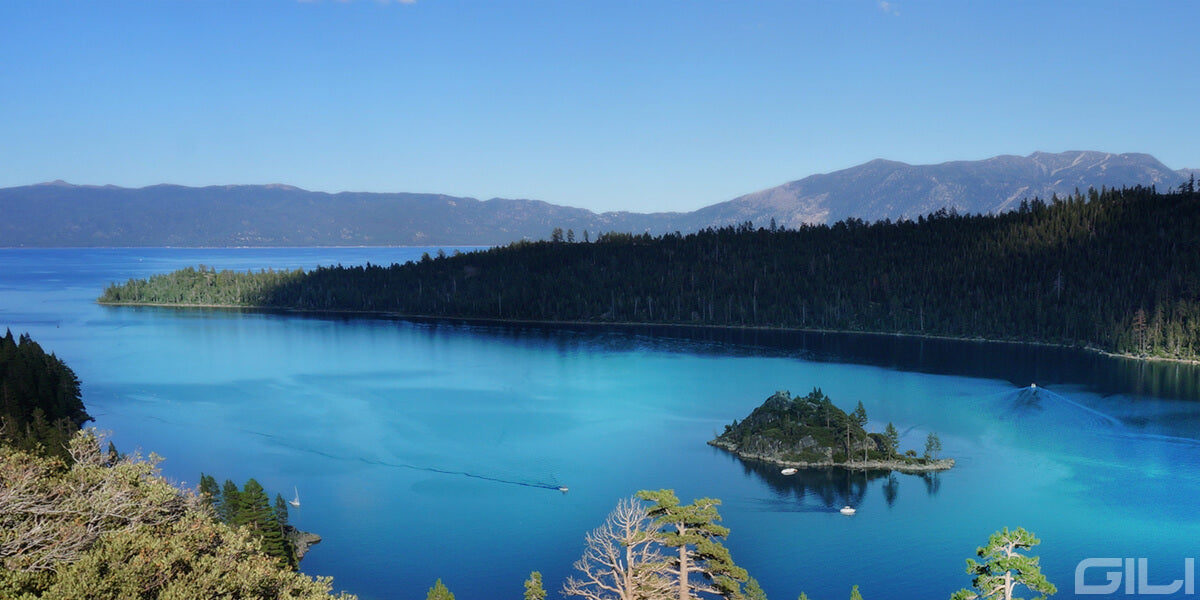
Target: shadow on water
1010,361
1017,363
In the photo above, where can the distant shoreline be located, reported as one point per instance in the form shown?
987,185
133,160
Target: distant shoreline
901,466
488,320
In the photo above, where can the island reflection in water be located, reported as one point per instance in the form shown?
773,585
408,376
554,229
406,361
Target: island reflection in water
826,490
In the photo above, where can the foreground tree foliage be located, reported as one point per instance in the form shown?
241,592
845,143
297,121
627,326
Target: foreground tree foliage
1003,568
660,551
701,563
105,526
1117,270
533,587
439,591
40,405
622,559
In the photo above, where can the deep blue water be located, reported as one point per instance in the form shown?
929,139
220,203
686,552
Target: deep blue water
427,450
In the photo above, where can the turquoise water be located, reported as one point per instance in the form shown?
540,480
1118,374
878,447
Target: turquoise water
427,450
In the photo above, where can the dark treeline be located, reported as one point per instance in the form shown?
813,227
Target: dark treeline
40,405
1117,270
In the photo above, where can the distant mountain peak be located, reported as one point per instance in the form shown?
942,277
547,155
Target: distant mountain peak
58,213
886,189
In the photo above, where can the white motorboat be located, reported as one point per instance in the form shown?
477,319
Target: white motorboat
846,510
788,471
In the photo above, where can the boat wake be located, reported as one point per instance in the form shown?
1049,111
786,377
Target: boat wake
1063,410
553,484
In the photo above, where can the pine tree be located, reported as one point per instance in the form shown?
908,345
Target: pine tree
860,415
230,505
1003,568
754,591
855,594
256,513
209,492
281,511
533,587
693,531
891,439
439,592
933,446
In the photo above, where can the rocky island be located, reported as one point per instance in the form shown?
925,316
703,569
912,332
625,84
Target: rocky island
810,432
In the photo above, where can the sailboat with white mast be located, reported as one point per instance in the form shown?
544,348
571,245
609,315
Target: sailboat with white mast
295,501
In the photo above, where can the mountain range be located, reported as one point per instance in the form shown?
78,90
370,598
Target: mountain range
59,214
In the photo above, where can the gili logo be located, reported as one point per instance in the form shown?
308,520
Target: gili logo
1134,573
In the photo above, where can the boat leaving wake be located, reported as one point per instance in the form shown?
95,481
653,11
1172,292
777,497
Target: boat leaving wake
1101,423
545,485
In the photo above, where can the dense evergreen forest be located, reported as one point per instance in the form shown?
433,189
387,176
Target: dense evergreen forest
40,405
1116,270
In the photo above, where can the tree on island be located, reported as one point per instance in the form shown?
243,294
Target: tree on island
1003,568
933,446
891,439
789,431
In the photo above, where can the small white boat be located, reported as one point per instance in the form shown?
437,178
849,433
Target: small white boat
788,471
295,501
563,489
846,510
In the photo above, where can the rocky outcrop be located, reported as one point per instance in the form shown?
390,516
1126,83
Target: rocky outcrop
810,432
916,465
301,541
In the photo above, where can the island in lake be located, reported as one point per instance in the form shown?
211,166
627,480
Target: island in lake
810,432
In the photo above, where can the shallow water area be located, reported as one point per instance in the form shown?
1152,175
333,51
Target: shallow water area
427,450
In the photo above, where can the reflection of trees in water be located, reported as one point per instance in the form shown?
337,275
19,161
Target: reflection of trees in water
829,488
832,488
891,488
933,482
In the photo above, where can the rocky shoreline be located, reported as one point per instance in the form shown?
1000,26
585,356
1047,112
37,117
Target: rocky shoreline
901,466
301,541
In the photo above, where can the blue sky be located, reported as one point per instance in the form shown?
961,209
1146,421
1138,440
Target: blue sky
639,105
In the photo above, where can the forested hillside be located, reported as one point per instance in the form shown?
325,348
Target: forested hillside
1117,270
40,405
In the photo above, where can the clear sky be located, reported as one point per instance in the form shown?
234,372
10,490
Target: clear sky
618,105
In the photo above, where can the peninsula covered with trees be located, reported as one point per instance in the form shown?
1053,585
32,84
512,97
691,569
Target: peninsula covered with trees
810,431
1113,270
81,520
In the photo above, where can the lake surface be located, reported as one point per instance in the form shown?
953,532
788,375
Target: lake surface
427,450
